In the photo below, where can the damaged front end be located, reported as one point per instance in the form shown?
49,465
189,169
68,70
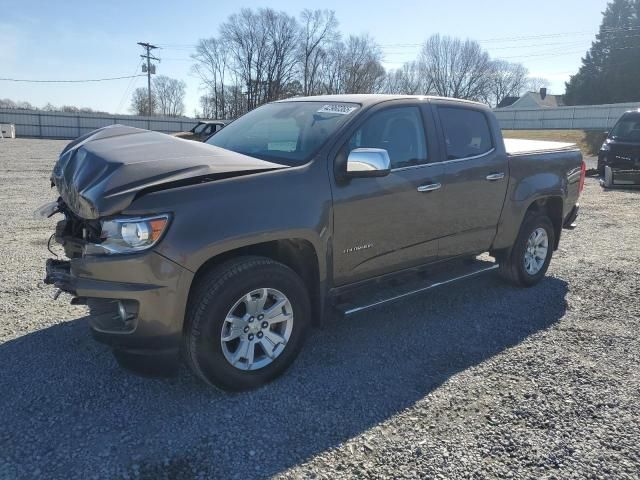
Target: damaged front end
135,296
73,234
76,235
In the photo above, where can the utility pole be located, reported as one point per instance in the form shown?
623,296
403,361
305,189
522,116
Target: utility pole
148,47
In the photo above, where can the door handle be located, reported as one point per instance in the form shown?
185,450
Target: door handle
429,188
492,177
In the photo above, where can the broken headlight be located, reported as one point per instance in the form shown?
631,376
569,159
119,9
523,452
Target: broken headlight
129,235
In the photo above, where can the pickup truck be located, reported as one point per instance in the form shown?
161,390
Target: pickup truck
225,253
619,155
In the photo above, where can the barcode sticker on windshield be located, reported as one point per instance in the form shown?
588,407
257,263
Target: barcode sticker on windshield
340,109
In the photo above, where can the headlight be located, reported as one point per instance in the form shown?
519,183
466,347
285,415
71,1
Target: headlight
129,235
605,147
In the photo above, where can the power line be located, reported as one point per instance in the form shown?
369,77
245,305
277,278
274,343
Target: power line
68,81
614,30
543,54
413,46
129,87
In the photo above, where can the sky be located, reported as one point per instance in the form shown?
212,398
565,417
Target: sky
69,39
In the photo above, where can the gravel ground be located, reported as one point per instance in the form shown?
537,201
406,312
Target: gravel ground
475,380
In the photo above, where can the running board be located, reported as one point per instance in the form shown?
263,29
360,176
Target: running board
383,294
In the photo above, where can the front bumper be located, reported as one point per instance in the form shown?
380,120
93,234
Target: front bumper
150,290
614,177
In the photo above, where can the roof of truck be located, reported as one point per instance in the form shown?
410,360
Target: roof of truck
372,98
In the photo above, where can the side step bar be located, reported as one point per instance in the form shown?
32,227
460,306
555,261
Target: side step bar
383,294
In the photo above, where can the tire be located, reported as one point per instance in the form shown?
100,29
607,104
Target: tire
607,181
213,301
512,262
600,168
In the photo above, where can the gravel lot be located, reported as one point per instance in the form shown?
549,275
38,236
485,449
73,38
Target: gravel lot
476,380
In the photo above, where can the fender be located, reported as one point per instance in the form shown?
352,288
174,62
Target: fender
533,178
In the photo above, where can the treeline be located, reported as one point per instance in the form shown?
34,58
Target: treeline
264,55
20,105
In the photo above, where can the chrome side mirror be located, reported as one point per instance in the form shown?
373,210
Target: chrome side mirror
368,162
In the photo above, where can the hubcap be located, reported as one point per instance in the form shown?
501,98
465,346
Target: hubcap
535,253
249,343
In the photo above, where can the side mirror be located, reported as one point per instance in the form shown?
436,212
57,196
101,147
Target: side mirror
368,162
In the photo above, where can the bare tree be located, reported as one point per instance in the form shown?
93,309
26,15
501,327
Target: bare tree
211,66
534,84
140,102
507,80
456,68
319,32
264,55
283,35
406,80
168,94
331,72
361,70
245,38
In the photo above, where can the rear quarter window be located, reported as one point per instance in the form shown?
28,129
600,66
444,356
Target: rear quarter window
466,132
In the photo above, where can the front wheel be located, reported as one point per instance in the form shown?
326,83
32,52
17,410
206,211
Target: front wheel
246,323
526,263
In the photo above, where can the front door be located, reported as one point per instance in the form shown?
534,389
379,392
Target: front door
388,223
474,182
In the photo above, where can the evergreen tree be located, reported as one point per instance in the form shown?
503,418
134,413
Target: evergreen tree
610,71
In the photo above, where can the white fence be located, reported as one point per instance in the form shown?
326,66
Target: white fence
587,117
33,123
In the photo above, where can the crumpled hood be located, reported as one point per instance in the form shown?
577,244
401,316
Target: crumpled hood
101,173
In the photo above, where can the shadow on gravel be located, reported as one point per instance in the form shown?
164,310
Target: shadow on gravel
69,410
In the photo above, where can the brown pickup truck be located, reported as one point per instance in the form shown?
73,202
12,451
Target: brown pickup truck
227,252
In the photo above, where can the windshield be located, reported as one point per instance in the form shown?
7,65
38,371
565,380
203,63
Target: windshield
288,132
199,128
627,128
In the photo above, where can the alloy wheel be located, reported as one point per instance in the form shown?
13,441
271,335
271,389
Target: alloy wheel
536,251
256,329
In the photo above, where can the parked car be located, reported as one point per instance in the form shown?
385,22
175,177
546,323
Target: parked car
619,156
230,251
201,130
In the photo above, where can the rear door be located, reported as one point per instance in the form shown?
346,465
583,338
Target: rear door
474,180
388,223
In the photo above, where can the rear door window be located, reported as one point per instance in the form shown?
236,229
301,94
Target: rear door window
466,132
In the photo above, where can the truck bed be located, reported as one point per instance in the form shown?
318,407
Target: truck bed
515,146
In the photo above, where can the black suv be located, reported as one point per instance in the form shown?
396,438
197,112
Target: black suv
619,156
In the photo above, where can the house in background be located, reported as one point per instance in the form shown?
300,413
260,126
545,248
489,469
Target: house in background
532,101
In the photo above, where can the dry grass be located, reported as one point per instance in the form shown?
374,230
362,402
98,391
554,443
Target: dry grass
588,141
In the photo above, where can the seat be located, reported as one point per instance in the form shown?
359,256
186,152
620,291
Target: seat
459,142
400,142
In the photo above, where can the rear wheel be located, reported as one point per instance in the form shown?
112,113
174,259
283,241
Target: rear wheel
526,263
246,323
